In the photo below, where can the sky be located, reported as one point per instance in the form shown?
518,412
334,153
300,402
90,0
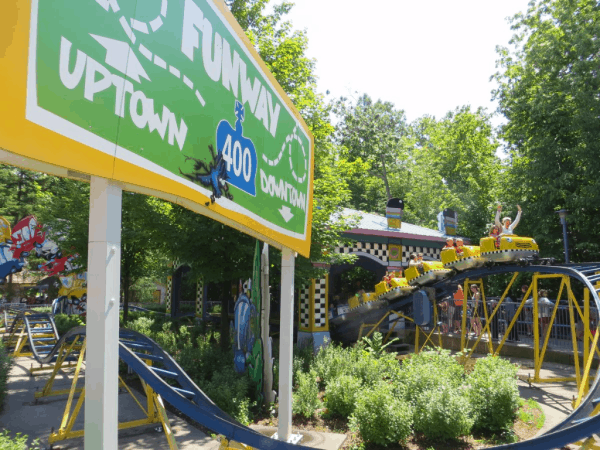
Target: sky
424,56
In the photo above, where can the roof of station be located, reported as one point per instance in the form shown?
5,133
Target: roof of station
375,225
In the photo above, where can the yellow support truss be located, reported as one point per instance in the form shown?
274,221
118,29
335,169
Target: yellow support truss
154,411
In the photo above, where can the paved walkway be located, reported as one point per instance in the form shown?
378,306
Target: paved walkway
554,398
21,414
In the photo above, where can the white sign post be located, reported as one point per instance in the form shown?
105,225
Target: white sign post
102,355
286,334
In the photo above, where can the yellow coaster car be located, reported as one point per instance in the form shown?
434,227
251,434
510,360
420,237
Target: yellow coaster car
397,287
432,271
512,248
469,258
381,288
355,301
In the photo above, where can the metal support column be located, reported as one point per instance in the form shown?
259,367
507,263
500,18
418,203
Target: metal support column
102,358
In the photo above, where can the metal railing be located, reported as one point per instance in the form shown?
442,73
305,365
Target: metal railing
522,332
22,306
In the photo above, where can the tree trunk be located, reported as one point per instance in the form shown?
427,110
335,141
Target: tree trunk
385,178
225,294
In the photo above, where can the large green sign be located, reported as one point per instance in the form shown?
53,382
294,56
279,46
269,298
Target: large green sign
168,85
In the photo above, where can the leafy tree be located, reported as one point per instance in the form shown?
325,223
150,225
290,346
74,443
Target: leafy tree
371,132
456,158
18,191
548,90
145,228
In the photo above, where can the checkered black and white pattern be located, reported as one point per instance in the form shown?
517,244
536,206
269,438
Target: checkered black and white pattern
199,296
321,303
169,292
380,251
428,252
305,307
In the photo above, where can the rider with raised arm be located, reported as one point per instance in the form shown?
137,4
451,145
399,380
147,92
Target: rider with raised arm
506,225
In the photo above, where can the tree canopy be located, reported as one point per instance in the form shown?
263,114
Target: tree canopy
548,91
367,152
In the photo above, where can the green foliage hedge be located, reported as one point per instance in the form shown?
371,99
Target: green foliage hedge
305,399
202,359
380,417
19,442
443,413
428,371
385,401
341,395
65,322
493,394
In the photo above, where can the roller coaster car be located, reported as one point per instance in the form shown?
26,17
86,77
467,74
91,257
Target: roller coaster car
432,270
470,258
396,287
356,301
512,248
381,288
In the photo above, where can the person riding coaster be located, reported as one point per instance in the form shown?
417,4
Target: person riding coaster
461,257
507,246
394,288
362,299
432,271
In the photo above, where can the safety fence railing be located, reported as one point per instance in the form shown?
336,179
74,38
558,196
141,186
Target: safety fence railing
450,318
21,306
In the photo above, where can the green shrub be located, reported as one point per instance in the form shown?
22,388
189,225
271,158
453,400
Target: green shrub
493,394
230,392
341,394
306,398
209,367
42,309
64,322
200,358
371,367
443,413
428,371
330,362
19,442
5,365
155,307
375,344
380,417
143,290
303,360
142,325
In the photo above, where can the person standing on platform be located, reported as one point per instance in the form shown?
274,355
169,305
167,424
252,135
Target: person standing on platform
511,309
477,309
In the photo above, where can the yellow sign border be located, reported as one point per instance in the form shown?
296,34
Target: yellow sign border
33,147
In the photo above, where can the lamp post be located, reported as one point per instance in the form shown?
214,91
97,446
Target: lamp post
563,219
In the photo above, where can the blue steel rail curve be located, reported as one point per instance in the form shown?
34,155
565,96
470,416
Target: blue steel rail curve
188,398
154,366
